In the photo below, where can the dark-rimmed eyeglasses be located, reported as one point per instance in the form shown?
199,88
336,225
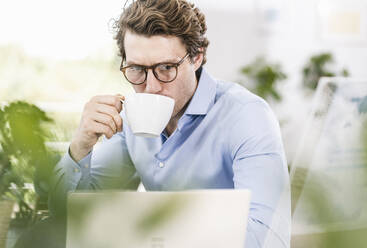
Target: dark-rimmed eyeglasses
164,72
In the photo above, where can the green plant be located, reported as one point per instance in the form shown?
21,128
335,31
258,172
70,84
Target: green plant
263,77
25,161
317,67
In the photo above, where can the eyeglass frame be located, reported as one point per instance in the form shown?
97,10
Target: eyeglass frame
152,67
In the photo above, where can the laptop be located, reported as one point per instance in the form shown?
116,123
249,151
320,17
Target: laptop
195,219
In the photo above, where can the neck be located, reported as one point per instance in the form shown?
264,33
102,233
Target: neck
172,124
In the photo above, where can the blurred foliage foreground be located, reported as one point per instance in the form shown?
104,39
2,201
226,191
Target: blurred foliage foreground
338,224
329,184
26,163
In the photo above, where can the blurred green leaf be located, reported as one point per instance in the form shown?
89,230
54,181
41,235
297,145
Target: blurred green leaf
24,157
317,67
264,78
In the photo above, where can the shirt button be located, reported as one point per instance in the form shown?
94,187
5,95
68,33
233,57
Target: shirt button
161,165
76,170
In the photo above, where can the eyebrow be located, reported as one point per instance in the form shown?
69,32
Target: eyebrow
170,61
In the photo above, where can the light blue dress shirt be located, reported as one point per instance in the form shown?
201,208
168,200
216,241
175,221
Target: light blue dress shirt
227,138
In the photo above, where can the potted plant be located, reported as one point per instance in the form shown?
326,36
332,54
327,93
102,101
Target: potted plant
263,78
25,161
319,66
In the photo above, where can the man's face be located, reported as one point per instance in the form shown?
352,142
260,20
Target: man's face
141,50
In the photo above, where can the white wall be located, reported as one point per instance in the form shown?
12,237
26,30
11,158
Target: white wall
237,28
231,27
242,30
294,49
232,42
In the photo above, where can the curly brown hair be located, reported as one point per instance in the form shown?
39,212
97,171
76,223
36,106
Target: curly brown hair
164,17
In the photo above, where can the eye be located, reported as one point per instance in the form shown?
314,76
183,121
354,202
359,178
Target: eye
166,67
136,68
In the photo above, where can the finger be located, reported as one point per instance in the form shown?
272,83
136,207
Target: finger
105,119
121,96
121,100
115,122
119,104
100,128
110,100
118,122
106,109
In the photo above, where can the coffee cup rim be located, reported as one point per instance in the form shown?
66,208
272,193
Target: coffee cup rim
143,93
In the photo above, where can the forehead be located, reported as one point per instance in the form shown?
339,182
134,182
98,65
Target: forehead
149,50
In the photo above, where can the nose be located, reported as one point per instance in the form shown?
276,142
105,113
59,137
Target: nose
153,85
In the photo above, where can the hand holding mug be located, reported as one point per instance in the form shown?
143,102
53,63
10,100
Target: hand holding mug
100,116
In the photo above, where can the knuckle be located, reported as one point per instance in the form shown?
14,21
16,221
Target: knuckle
117,101
113,111
111,122
88,107
118,119
110,133
107,110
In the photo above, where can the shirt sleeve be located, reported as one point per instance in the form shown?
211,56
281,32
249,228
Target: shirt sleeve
107,166
259,165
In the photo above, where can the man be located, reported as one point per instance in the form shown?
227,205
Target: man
219,136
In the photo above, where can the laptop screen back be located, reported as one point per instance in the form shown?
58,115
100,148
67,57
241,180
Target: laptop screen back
215,218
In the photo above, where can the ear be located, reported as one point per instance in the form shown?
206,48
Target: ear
198,59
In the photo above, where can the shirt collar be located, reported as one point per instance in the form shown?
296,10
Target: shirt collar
203,98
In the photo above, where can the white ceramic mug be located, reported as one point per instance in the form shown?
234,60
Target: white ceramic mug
148,114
